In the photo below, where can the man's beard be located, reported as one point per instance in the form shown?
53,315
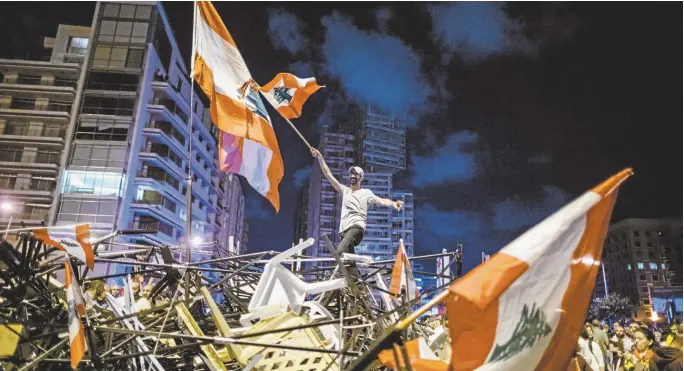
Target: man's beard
353,181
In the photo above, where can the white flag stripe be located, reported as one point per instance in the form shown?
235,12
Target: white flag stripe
224,60
255,162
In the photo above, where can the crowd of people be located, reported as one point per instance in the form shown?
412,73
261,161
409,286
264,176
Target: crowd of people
635,347
95,293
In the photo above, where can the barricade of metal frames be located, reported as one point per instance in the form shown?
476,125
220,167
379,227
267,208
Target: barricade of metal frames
262,311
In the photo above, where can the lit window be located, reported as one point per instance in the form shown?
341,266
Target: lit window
640,265
629,267
662,265
653,266
78,45
99,183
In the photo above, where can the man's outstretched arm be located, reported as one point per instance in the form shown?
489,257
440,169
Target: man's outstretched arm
325,169
389,203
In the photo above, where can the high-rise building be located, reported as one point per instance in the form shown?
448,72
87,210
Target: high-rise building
377,143
639,257
36,111
99,134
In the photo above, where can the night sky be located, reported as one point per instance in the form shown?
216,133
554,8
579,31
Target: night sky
512,110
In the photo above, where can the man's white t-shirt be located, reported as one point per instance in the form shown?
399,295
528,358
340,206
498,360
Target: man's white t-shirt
355,207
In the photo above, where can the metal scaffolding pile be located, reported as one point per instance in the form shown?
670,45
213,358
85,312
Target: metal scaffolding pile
263,311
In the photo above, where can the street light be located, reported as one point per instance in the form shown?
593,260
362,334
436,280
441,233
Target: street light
196,240
6,206
654,315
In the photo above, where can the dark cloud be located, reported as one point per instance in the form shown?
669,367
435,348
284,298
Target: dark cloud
514,214
285,30
540,159
477,29
374,68
302,69
449,163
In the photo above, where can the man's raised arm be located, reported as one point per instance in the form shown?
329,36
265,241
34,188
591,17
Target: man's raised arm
325,169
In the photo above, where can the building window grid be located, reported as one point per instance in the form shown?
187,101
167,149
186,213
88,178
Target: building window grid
87,211
102,130
99,156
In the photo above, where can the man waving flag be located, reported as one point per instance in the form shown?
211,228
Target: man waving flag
248,145
287,93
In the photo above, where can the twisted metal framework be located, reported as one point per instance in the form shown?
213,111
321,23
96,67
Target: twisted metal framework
210,328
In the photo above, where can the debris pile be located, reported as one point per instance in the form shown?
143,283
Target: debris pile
262,311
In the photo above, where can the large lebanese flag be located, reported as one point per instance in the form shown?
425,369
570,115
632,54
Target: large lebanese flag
523,309
236,107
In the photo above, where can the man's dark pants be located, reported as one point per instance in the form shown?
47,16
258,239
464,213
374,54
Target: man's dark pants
351,238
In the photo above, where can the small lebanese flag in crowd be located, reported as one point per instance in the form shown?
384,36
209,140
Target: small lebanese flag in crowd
287,93
523,309
77,342
247,144
402,274
75,241
420,357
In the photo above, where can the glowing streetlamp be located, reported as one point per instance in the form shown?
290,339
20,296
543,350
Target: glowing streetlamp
654,315
196,240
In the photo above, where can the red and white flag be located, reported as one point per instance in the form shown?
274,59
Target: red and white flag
523,309
287,93
247,143
77,344
402,274
75,241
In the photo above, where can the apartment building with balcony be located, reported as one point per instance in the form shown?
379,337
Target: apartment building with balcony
100,134
36,111
640,258
376,142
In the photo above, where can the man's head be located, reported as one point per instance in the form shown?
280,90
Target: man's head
619,331
633,326
355,175
147,291
115,290
596,324
135,286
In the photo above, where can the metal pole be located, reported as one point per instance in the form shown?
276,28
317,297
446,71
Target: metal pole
289,122
8,226
188,214
605,283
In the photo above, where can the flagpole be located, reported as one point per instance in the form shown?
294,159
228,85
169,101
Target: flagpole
288,121
188,202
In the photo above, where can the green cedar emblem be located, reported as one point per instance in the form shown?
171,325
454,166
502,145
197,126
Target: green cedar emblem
282,94
531,328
